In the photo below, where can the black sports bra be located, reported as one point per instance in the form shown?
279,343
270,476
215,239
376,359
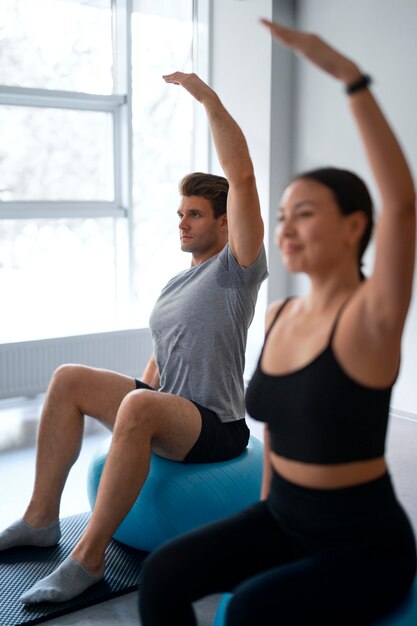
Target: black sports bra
318,414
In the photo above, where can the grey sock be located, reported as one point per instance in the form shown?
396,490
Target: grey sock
22,534
65,583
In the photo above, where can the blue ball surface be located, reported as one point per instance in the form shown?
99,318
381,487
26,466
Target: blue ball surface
178,497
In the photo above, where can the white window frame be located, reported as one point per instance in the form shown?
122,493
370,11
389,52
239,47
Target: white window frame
119,106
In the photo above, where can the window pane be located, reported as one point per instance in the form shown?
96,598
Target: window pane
56,44
162,143
55,154
57,278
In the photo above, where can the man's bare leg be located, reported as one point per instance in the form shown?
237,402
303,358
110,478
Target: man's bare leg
146,420
74,391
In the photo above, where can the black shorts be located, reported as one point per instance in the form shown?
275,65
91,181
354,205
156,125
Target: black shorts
218,441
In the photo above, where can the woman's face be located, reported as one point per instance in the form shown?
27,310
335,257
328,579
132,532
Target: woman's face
312,232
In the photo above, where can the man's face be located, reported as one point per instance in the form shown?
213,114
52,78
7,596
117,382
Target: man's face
200,232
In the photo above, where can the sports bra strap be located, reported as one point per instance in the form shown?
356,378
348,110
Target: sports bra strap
284,304
336,321
277,314
333,329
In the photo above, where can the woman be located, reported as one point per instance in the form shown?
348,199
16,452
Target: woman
328,543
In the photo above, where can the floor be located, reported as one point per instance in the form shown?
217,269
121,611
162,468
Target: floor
17,431
17,469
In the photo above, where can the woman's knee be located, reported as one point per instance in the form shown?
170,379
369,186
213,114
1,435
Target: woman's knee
247,609
158,575
164,595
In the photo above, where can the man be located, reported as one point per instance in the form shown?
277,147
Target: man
189,405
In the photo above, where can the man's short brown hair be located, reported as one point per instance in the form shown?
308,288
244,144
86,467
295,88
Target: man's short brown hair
213,188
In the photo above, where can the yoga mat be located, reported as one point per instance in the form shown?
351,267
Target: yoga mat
21,567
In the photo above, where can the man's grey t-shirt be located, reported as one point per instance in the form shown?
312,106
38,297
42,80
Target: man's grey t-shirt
199,327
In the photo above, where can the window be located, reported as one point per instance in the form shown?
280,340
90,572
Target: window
162,145
57,44
56,154
92,146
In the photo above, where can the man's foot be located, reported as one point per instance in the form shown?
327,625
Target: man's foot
65,583
22,534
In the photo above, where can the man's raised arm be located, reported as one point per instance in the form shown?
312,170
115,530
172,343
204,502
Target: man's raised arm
245,225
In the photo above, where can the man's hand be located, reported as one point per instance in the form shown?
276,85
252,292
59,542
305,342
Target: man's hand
192,83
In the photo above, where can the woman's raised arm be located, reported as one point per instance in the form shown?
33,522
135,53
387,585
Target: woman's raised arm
387,294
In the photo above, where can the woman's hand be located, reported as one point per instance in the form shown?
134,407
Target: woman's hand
315,50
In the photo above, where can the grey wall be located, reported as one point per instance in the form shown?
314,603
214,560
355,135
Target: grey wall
241,74
294,117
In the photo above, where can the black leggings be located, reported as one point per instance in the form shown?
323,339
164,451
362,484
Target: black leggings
333,557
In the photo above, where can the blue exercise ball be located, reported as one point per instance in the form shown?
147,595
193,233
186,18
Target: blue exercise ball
220,617
178,497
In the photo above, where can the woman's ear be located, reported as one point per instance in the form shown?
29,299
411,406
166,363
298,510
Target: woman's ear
357,223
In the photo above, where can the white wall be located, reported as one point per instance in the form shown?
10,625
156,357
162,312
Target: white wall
381,36
241,75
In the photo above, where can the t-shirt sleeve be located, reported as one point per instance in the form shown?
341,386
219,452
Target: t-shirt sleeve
255,273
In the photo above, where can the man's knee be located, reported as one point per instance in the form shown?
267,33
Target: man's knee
67,377
71,384
137,412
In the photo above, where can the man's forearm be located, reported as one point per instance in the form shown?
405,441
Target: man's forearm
231,146
151,375
230,143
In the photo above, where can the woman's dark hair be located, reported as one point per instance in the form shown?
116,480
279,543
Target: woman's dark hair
210,186
351,195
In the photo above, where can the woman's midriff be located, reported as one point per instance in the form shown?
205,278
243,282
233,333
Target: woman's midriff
334,476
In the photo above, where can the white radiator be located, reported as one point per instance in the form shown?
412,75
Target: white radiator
26,367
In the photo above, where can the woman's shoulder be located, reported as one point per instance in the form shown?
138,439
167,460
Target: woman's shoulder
272,311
